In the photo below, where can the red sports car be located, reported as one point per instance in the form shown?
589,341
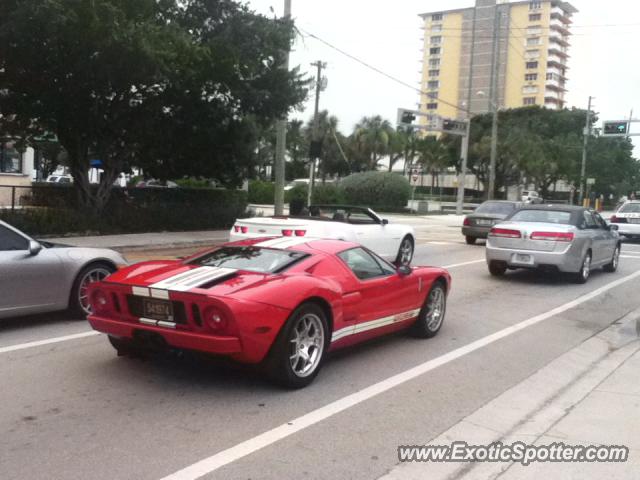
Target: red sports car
284,302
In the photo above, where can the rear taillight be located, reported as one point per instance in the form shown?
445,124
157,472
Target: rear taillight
300,233
466,222
615,219
553,236
215,319
244,229
236,228
504,233
287,233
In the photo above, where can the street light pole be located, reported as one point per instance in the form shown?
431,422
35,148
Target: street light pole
494,103
281,140
585,142
316,128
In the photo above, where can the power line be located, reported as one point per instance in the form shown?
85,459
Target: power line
385,74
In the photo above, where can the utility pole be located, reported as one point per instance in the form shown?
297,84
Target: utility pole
583,167
316,129
497,24
464,153
281,139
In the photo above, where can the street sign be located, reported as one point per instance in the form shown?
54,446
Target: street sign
416,173
591,181
615,127
455,127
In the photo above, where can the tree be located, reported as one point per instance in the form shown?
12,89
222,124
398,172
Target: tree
332,161
175,87
434,155
371,137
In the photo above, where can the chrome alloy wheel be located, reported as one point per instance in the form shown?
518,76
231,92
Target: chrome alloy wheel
95,274
306,345
435,309
586,267
406,252
616,258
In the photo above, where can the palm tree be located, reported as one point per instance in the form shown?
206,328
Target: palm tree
434,156
371,137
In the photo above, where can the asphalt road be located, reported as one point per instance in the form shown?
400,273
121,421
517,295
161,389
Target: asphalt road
72,409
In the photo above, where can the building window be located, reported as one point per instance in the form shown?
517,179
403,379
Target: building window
530,77
434,62
535,17
432,95
529,101
436,17
432,106
550,76
533,41
529,89
436,28
532,65
10,158
434,73
434,51
535,5
437,40
431,84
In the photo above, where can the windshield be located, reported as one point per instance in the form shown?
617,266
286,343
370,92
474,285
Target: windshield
630,208
543,216
496,207
253,259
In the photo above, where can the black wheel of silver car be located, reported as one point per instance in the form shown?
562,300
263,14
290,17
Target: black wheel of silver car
497,269
585,270
405,252
613,266
470,240
432,312
296,356
79,303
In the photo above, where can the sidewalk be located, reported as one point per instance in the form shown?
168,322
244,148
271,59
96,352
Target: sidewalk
588,396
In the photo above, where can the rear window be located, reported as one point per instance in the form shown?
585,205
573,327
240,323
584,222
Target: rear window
630,208
496,207
543,216
253,259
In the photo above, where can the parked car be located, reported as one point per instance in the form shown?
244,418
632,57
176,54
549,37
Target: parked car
627,218
394,242
156,184
477,224
531,196
61,179
38,277
553,237
282,302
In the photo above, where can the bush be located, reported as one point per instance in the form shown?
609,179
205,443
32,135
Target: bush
322,194
261,192
376,189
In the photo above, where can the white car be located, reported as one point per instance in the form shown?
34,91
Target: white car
59,179
394,242
627,218
531,196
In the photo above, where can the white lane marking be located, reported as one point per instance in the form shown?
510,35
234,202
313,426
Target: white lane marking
464,263
48,341
629,256
220,459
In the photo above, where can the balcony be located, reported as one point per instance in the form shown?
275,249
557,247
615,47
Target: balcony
559,26
562,15
556,72
553,59
555,85
556,38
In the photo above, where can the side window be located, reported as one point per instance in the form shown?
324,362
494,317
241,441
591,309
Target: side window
599,220
363,265
10,240
360,218
589,222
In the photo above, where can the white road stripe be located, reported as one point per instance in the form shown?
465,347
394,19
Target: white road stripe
285,430
48,341
629,256
464,263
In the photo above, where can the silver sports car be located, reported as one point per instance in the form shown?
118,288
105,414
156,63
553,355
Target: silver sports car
553,237
37,277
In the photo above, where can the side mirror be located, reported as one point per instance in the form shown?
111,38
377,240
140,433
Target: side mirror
34,248
404,270
385,221
613,226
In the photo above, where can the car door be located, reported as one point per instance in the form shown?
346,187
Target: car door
610,240
383,295
371,233
598,239
28,283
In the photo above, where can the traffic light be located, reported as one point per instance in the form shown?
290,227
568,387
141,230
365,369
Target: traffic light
454,126
405,117
615,128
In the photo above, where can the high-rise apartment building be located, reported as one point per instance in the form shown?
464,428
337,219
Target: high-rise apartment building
524,43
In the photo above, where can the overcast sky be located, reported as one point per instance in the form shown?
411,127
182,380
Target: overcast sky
604,63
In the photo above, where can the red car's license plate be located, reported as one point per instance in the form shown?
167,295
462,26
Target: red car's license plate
157,309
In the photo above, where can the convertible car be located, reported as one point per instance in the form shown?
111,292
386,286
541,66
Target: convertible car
38,277
281,302
392,241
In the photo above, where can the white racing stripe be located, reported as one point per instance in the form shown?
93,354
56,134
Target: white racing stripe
370,325
283,242
193,278
243,449
48,341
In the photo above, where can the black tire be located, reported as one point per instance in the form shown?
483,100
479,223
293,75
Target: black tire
497,269
427,325
585,271
290,372
76,307
613,265
126,347
405,251
470,240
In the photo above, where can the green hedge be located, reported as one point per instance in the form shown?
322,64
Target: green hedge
130,211
376,190
261,192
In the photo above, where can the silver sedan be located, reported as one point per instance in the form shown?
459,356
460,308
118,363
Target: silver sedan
38,277
553,237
